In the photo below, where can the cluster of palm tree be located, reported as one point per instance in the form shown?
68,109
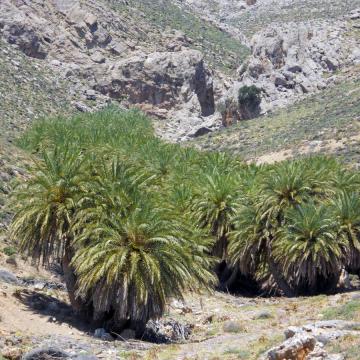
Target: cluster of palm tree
135,221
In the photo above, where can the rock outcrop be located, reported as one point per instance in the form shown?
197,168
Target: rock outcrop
296,348
89,47
289,61
307,342
161,79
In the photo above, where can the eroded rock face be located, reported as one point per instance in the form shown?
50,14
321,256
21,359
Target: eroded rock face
163,79
88,46
290,60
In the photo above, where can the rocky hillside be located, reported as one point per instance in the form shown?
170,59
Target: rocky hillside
181,62
104,51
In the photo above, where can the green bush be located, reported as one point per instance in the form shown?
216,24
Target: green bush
9,251
249,97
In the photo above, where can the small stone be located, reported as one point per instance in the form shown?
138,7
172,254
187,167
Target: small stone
12,353
291,332
90,94
90,20
354,16
117,49
98,58
81,107
55,62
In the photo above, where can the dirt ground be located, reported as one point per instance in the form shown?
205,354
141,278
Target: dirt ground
224,326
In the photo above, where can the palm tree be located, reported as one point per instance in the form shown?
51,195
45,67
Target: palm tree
221,162
284,186
346,209
133,247
44,207
248,241
130,266
214,206
345,180
309,249
251,249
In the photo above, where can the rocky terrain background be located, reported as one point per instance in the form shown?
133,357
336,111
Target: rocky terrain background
181,62
141,53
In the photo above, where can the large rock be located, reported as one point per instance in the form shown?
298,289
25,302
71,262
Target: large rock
325,331
295,348
90,46
162,79
166,331
46,353
26,30
308,341
8,277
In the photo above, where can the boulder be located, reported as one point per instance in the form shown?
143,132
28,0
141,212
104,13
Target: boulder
322,332
8,277
29,32
98,58
295,348
65,6
46,353
11,353
118,49
26,38
165,332
162,79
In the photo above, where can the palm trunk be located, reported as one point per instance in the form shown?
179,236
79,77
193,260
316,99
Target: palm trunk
279,278
220,248
227,278
70,281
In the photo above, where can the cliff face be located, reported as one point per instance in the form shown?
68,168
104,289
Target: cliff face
101,54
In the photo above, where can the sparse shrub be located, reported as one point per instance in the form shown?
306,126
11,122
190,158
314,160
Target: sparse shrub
264,315
241,354
233,327
348,311
9,250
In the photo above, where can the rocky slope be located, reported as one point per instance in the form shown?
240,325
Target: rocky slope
102,55
165,57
